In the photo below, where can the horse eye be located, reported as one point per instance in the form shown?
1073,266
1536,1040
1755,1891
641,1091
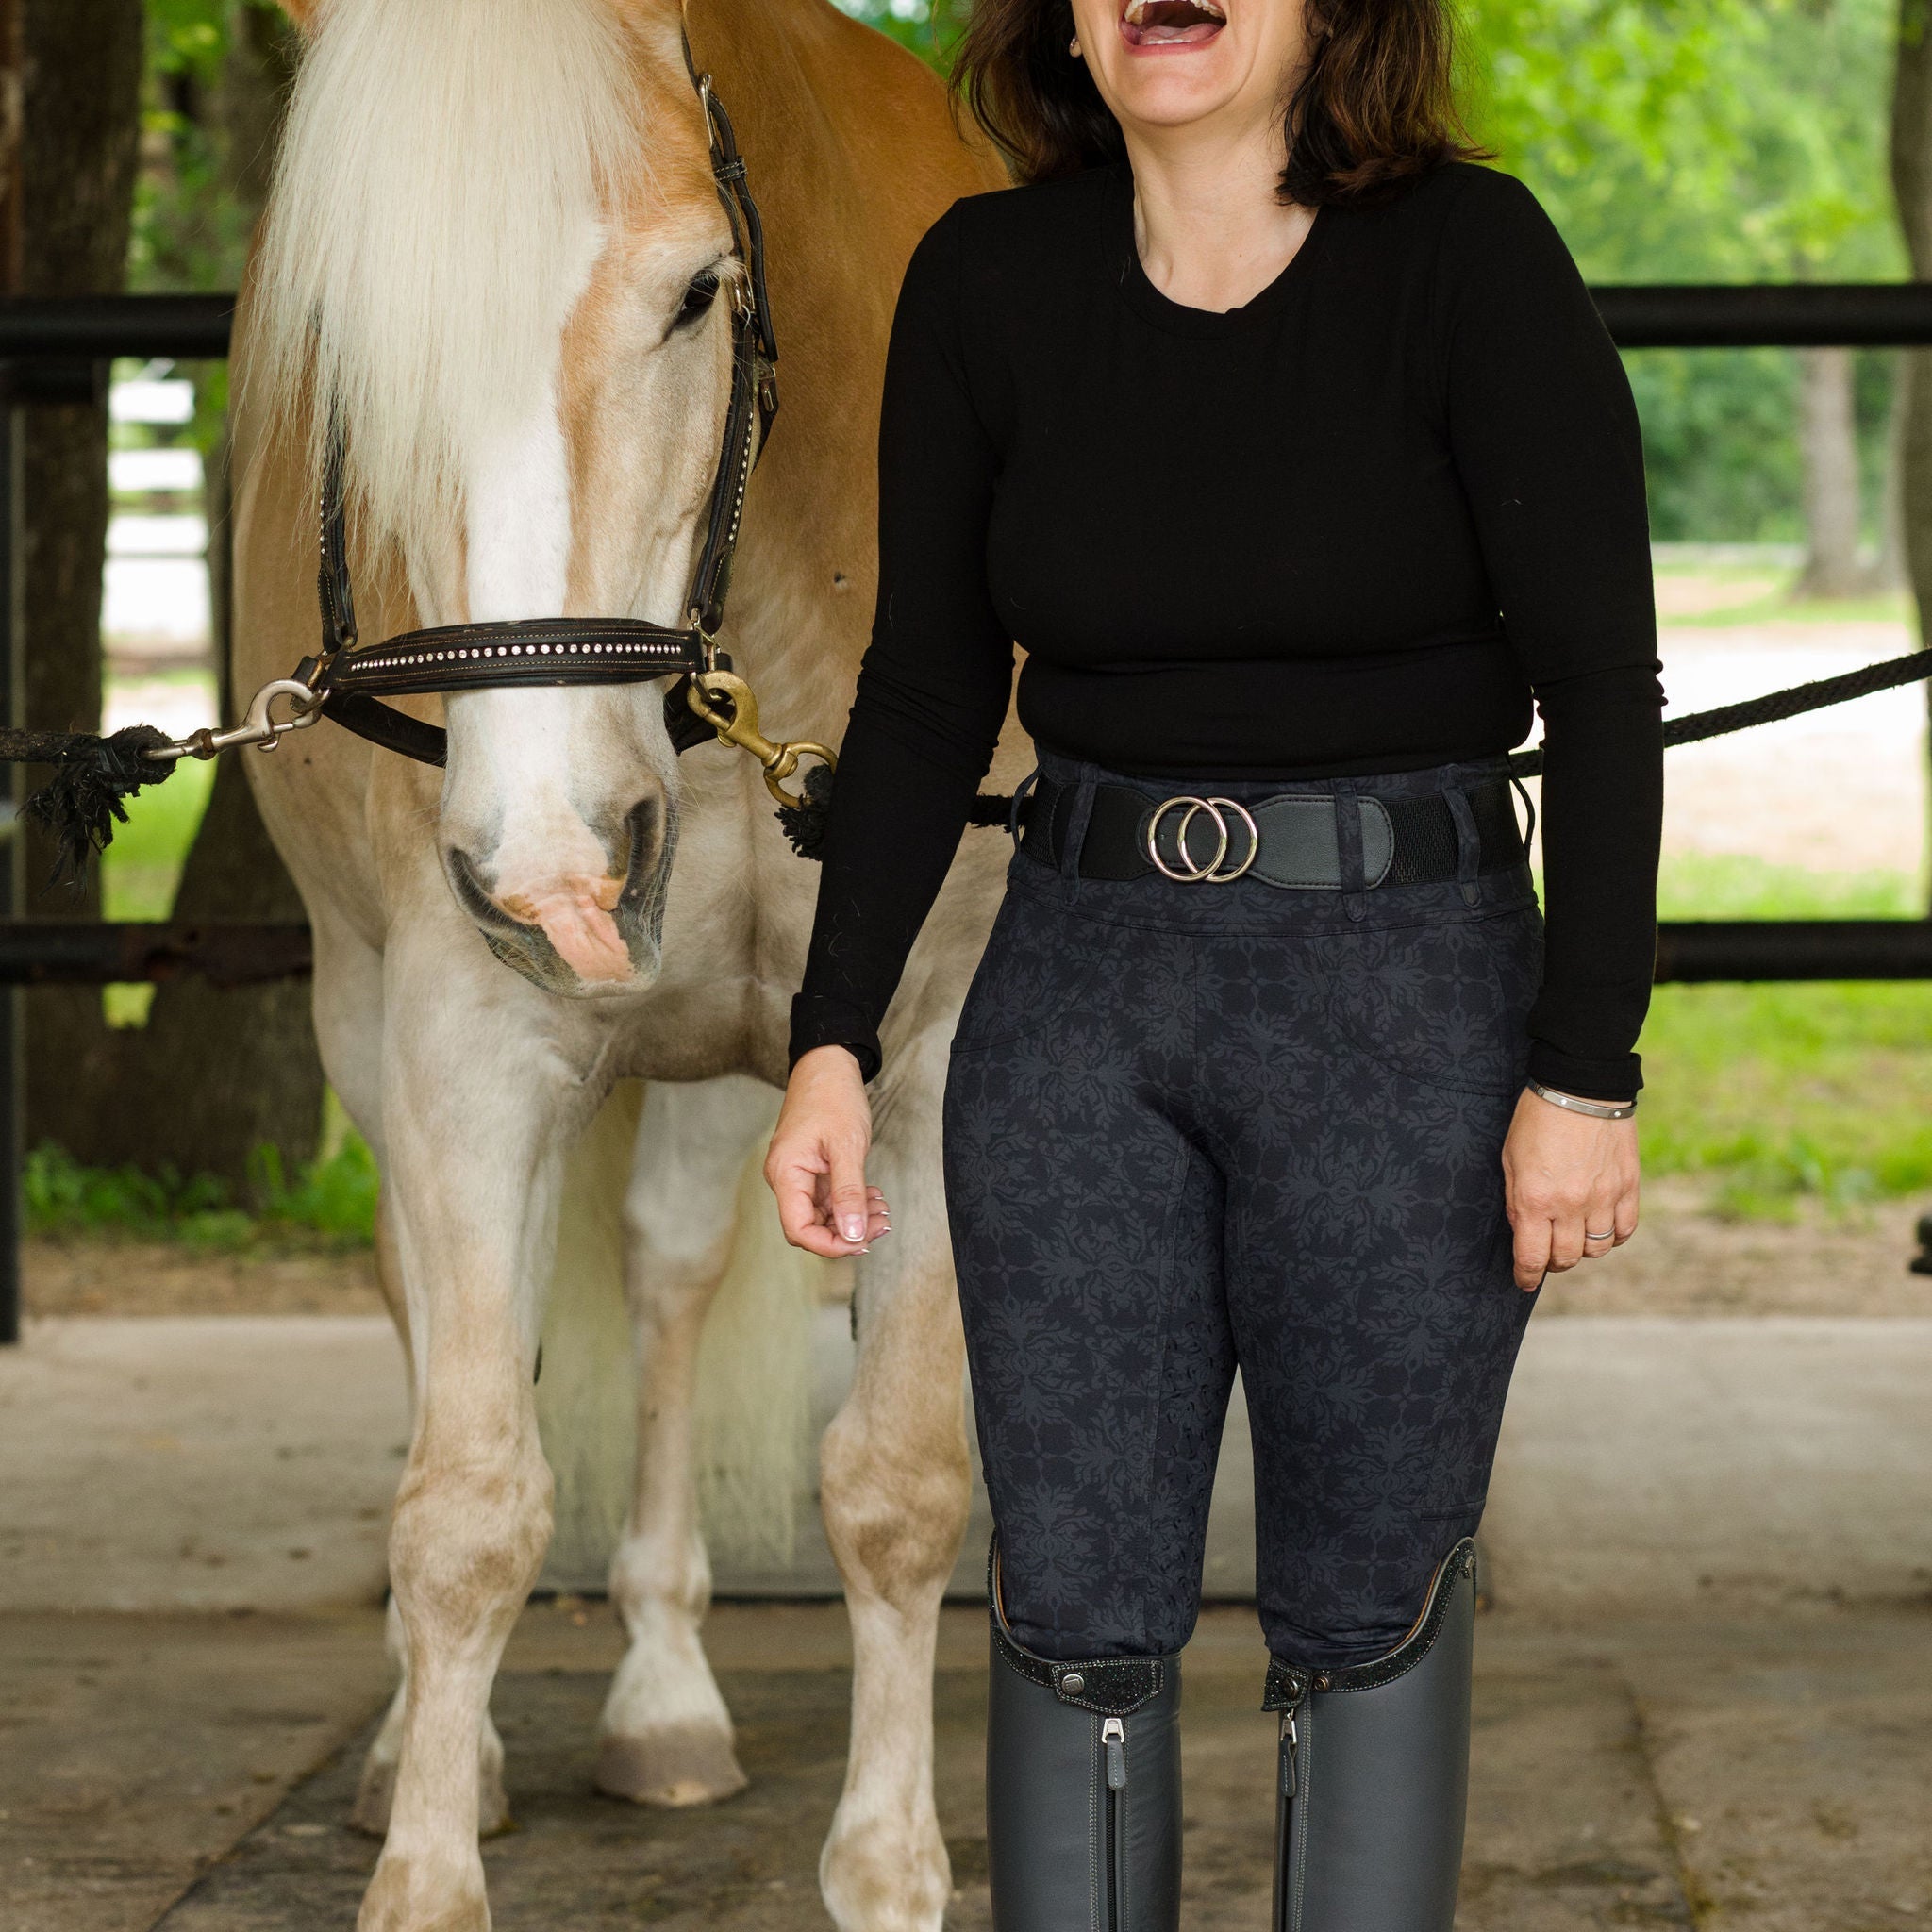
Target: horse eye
698,298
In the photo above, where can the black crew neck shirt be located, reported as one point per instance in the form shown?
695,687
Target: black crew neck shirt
1364,522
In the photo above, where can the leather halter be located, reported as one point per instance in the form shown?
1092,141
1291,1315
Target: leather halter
350,678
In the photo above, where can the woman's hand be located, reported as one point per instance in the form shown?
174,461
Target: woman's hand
816,1165
1570,1185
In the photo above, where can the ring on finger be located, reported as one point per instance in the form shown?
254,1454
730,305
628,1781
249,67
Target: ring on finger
1590,1236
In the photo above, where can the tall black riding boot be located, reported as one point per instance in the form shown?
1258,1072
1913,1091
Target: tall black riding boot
1375,1775
1083,1790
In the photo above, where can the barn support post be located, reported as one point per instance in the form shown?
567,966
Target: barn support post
12,898
12,677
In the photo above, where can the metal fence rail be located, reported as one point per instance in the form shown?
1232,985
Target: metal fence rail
55,349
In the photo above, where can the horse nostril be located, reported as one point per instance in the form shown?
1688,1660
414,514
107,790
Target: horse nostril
472,896
639,844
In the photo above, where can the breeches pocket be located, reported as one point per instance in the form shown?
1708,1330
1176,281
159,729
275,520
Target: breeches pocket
1444,1003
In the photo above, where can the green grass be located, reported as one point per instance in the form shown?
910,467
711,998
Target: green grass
329,1204
1776,1094
138,871
142,866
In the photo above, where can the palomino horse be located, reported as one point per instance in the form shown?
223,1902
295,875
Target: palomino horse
492,253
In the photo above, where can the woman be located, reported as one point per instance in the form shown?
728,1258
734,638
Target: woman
1286,441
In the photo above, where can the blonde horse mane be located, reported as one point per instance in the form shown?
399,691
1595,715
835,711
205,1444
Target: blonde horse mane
439,200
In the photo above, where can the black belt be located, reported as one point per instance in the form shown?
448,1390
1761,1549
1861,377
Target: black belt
1291,840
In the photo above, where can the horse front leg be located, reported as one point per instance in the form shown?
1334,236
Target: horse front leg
897,1485
349,1020
477,1107
666,1736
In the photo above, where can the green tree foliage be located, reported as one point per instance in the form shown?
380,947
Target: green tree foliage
186,228
1707,140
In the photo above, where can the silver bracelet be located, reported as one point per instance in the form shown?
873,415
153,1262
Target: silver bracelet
1596,1110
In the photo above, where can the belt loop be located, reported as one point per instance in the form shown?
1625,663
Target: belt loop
1348,848
1080,809
1021,792
1468,845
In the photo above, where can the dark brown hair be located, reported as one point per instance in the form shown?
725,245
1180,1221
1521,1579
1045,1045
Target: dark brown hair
1374,105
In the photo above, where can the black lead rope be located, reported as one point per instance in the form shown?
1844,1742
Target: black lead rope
80,805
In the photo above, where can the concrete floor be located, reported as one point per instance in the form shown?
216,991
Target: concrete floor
224,1463
1768,1775
1705,1687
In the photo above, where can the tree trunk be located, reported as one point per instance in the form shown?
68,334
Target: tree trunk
215,1075
1828,438
1912,184
256,79
81,116
1889,571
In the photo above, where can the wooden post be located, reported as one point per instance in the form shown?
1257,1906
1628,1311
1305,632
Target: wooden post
12,682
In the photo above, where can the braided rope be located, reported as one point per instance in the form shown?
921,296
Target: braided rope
1773,706
81,803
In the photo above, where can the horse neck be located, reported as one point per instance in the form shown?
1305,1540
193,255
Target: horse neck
847,180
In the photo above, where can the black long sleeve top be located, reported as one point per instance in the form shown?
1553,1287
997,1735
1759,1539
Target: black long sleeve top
1358,524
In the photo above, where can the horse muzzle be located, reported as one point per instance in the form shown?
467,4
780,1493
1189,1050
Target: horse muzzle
582,932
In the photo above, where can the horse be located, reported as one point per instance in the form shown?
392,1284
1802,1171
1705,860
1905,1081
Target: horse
497,264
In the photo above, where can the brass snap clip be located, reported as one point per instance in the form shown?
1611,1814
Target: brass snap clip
260,728
725,701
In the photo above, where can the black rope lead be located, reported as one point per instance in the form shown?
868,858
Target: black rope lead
1773,706
82,803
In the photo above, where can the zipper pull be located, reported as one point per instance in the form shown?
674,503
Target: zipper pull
1113,1735
1290,1743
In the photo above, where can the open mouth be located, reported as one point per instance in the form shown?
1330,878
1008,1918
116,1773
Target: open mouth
1170,23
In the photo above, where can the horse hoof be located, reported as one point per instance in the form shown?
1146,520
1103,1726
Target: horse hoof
674,1766
406,1895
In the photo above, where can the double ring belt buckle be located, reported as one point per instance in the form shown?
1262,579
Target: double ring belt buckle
1216,872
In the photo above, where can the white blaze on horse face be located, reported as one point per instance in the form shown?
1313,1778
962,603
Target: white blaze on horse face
524,763
549,867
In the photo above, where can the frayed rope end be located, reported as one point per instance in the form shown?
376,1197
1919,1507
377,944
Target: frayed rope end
805,822
81,804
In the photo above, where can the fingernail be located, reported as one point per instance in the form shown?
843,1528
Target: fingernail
854,1226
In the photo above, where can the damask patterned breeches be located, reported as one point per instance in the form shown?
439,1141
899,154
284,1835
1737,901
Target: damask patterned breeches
1190,1127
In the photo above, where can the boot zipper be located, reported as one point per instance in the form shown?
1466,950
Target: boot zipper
1286,1890
1113,1742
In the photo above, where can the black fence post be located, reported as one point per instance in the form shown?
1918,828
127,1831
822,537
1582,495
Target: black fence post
12,865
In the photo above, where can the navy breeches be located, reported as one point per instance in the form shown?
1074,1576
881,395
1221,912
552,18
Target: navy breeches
1196,1127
